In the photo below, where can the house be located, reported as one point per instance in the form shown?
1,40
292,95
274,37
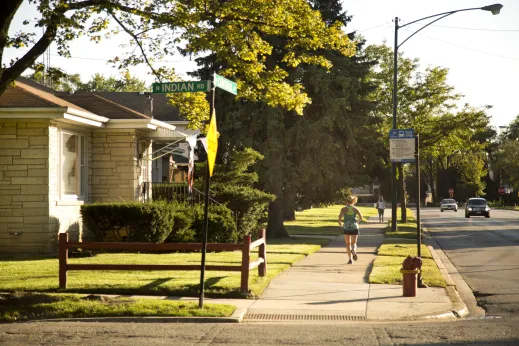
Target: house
164,152
59,151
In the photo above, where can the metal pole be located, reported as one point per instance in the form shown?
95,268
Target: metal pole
395,100
206,206
418,222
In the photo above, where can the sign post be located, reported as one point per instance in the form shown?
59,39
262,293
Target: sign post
421,284
212,148
212,141
401,150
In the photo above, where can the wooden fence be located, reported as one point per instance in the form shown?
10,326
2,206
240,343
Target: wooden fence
244,268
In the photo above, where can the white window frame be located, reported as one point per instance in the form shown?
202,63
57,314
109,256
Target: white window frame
82,168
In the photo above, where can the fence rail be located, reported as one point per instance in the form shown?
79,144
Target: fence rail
244,268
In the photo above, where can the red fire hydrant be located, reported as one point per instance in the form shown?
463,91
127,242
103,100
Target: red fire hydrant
410,268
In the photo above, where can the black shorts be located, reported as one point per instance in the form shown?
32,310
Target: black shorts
350,231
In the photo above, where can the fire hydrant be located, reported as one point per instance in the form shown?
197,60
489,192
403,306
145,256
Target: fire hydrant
410,268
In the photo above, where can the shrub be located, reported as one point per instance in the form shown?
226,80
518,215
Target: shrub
221,225
130,221
248,204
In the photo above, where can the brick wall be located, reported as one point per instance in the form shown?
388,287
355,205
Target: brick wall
119,166
24,166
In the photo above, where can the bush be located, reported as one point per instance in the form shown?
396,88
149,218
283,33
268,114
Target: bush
248,204
130,221
221,226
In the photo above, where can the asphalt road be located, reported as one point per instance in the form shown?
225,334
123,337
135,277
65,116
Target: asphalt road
501,331
484,251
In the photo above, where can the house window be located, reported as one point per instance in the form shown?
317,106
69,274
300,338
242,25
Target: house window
73,166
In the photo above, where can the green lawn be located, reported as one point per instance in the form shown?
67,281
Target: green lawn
41,274
321,221
395,248
20,306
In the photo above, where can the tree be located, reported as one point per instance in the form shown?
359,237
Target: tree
426,103
235,32
55,78
308,158
98,82
60,80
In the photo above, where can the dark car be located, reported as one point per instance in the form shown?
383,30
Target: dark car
477,206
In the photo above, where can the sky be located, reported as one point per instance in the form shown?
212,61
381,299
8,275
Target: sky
480,50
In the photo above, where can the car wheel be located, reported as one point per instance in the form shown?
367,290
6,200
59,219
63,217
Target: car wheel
456,210
467,216
487,215
442,210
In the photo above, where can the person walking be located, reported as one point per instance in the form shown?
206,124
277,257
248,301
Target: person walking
350,226
381,205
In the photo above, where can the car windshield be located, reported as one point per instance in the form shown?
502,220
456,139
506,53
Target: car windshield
448,201
477,202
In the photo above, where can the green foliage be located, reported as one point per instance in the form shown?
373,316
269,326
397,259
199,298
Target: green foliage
507,161
126,82
132,221
62,81
233,185
450,138
221,227
236,33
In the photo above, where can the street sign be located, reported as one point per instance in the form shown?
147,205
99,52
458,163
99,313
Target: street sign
402,145
451,190
225,84
501,190
212,143
181,87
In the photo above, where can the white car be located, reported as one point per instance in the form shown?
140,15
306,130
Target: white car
448,204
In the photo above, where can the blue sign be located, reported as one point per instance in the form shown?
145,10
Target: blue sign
401,145
406,133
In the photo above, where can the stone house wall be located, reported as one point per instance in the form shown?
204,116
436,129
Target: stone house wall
24,181
120,165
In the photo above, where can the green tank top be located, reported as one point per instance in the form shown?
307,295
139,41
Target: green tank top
350,220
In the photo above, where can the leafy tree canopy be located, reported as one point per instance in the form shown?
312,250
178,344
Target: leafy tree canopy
236,32
60,80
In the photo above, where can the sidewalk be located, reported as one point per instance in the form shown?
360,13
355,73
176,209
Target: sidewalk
323,287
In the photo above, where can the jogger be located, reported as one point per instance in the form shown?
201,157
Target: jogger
350,227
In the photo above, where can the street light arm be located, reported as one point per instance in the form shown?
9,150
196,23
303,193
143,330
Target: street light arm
441,14
423,27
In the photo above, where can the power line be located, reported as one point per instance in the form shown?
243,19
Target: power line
467,48
375,27
476,29
105,60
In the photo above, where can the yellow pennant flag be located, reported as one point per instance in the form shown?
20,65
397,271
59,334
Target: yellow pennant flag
212,143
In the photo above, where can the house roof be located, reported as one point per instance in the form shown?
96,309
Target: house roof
23,95
139,102
99,105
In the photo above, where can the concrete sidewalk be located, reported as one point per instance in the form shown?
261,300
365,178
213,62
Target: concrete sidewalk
323,287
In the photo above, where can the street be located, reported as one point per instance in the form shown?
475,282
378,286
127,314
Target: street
494,331
484,251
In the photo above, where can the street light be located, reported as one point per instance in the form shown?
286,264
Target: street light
494,9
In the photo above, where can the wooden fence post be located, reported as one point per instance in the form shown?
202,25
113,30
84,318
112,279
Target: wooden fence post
245,263
63,258
262,253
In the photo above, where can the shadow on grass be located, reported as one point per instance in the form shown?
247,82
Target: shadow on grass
324,230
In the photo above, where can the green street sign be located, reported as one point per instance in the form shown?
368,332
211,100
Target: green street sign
225,84
181,87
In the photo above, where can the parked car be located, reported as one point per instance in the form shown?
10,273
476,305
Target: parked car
448,204
477,206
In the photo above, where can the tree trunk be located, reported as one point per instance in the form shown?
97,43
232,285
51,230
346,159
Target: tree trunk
289,210
403,202
275,227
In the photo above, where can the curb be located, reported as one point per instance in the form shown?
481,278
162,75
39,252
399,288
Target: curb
236,317
459,308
